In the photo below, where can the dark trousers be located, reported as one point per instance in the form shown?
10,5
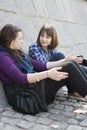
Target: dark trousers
57,56
77,81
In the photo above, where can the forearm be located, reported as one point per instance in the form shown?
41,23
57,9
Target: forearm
50,65
36,77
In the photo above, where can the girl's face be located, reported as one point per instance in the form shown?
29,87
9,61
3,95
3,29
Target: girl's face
16,44
45,40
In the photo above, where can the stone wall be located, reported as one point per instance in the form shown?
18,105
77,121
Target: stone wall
69,17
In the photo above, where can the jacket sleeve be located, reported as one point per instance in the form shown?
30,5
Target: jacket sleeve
11,70
38,66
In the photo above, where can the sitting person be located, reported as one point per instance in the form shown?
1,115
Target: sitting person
44,50
22,79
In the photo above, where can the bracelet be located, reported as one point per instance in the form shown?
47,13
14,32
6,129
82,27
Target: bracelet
37,77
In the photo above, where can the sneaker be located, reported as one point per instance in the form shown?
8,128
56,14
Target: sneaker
76,96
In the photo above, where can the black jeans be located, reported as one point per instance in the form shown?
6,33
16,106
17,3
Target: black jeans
77,81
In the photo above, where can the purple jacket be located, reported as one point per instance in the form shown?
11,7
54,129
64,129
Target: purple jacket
9,71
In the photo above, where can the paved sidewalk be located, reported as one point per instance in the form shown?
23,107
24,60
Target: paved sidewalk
64,114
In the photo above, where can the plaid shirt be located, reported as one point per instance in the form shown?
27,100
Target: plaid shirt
39,53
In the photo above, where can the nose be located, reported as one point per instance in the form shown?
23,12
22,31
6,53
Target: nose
44,38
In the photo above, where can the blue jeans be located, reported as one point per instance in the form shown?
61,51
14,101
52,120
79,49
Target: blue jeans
84,68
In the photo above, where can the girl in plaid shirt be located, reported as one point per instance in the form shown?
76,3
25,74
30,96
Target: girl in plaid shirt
44,49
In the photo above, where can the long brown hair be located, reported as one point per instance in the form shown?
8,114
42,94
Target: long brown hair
50,30
7,34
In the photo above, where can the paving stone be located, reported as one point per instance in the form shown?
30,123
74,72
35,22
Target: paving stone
73,127
30,118
5,120
80,117
1,125
58,117
68,108
59,125
77,104
13,122
55,125
55,111
18,115
72,121
44,121
25,124
59,107
8,127
84,128
84,122
8,113
68,114
43,114
40,127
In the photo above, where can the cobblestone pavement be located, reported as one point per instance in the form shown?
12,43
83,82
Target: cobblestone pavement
64,114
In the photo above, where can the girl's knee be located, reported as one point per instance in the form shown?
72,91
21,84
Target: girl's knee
69,65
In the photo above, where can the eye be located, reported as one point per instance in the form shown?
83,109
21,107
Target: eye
48,37
41,36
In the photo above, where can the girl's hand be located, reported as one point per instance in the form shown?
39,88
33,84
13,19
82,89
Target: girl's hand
75,58
57,75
